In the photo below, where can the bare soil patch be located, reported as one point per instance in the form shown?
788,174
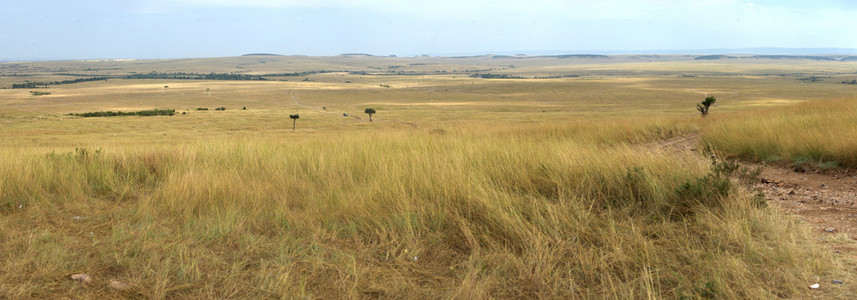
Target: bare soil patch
825,200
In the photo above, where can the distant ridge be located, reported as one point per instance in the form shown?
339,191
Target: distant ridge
789,57
261,54
713,51
712,57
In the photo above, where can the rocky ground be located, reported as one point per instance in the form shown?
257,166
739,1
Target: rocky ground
825,200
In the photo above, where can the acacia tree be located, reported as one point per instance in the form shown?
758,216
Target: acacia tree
295,118
370,112
705,105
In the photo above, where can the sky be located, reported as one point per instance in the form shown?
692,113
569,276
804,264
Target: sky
101,29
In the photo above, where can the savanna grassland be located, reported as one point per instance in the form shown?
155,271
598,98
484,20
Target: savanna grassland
545,179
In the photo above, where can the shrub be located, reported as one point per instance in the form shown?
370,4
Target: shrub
705,105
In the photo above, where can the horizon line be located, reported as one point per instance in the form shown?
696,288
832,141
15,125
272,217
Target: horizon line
535,53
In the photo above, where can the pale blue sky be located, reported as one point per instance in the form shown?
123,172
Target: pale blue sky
61,29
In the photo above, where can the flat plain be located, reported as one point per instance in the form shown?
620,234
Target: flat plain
478,177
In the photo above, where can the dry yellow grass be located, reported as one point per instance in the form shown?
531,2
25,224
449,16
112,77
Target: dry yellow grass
397,214
821,132
459,188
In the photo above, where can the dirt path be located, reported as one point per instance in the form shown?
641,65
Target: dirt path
826,201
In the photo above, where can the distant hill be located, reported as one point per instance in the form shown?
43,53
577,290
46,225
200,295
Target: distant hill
809,57
718,51
712,57
262,54
579,56
782,57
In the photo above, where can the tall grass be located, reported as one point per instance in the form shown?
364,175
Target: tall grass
823,132
507,212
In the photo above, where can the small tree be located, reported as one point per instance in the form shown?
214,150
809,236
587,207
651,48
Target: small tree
705,105
370,112
294,120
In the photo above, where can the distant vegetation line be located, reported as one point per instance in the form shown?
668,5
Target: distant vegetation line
142,113
180,75
495,76
198,76
297,74
32,85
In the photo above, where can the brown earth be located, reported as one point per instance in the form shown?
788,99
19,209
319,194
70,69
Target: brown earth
825,200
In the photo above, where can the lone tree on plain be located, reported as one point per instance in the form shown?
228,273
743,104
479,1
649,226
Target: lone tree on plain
705,105
295,118
370,112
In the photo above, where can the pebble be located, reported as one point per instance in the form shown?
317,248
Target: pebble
815,286
830,229
116,284
81,278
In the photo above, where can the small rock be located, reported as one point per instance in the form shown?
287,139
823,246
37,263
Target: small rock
830,229
823,185
815,286
77,218
792,192
81,278
837,281
116,284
